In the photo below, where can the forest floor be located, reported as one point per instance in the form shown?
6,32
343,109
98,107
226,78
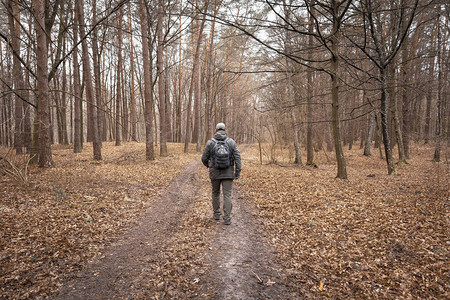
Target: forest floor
127,228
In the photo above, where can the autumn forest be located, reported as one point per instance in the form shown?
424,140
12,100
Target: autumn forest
340,109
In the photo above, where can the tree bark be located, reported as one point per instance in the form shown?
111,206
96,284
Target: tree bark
394,105
132,94
384,123
119,78
161,81
97,76
77,140
309,95
42,93
440,126
341,165
148,101
430,85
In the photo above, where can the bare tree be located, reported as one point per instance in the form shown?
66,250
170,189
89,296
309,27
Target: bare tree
87,77
386,43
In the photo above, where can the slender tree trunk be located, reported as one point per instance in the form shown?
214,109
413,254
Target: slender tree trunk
58,104
132,95
394,105
198,110
372,126
87,77
403,139
430,84
148,107
124,104
384,123
14,29
42,93
440,126
180,70
119,78
341,165
161,81
309,95
209,77
65,139
27,134
195,69
289,84
77,140
97,76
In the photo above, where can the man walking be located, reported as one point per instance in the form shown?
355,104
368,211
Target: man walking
223,159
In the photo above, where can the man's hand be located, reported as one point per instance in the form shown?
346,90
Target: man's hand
237,175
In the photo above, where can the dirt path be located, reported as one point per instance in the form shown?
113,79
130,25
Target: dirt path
242,265
238,262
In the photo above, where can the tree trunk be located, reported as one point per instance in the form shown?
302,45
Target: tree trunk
97,76
384,123
340,159
161,81
180,70
132,95
372,126
14,28
440,126
430,84
309,95
119,78
77,140
394,105
209,77
289,84
124,103
65,140
42,93
87,77
148,107
195,69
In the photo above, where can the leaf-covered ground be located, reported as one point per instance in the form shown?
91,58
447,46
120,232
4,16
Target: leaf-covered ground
372,236
69,213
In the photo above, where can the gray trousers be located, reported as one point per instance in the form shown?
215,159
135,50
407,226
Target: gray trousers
227,185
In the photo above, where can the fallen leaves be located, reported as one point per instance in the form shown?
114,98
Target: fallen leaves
371,236
69,213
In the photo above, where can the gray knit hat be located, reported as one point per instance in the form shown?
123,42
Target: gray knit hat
220,126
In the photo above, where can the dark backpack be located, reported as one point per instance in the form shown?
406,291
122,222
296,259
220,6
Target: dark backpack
221,154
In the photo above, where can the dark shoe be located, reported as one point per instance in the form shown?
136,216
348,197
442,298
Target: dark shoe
227,222
216,217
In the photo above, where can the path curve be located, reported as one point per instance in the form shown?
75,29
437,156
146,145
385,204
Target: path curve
240,263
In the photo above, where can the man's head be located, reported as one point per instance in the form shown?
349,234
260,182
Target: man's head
220,126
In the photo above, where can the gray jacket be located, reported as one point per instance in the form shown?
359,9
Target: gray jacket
232,171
